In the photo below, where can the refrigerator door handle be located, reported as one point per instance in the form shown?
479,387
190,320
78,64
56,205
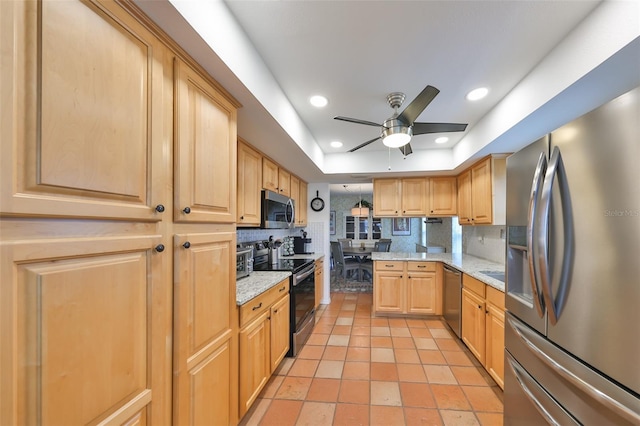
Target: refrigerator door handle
536,395
529,337
556,168
534,271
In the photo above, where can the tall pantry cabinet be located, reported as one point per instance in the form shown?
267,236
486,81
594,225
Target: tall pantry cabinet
117,233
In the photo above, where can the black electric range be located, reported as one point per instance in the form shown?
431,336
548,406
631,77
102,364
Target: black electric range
293,265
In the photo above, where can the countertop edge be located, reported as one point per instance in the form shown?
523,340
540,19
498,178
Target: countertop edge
257,283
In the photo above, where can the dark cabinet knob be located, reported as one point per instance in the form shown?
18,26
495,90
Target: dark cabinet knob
242,217
186,245
160,248
186,210
159,208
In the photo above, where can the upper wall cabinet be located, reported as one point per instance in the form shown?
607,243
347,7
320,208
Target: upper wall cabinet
275,178
205,150
77,105
482,193
400,197
443,196
249,183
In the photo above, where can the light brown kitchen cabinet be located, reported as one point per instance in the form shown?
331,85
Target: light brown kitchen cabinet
400,197
386,197
303,201
482,193
414,196
249,185
284,182
319,281
495,335
264,341
473,323
407,287
270,180
443,196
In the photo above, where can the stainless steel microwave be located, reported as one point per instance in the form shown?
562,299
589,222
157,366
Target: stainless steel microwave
278,211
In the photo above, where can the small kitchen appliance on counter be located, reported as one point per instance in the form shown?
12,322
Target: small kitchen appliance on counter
301,245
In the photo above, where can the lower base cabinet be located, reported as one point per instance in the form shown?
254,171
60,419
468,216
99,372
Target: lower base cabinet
483,325
264,341
407,288
319,281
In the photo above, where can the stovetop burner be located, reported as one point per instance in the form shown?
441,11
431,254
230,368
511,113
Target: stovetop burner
293,265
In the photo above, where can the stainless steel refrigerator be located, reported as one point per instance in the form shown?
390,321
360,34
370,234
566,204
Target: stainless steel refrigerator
572,330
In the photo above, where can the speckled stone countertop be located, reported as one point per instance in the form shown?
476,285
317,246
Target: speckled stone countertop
257,283
470,265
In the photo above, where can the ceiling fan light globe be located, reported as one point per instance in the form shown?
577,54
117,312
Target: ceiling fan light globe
397,136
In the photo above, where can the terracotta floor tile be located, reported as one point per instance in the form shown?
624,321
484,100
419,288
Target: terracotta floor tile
284,367
457,358
379,322
400,332
348,306
425,343
356,370
431,357
362,322
351,415
318,339
293,388
380,331
468,376
384,371
422,417
420,332
448,345
255,413
490,419
406,356
417,395
281,413
382,355
450,397
482,398
411,373
440,374
397,322
385,393
341,329
360,341
442,333
304,368
459,418
337,340
361,330
402,342
358,354
435,324
386,416
324,390
323,328
354,391
271,387
311,352
381,342
330,369
316,414
344,321
335,353
416,323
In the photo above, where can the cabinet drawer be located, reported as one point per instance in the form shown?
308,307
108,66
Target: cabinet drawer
421,266
262,302
391,265
473,285
495,297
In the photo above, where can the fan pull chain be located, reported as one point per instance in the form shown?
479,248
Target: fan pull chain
389,168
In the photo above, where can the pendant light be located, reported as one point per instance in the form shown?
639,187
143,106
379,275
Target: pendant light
360,211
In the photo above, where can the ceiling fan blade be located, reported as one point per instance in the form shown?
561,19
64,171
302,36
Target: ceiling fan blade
415,108
406,149
362,145
424,128
357,121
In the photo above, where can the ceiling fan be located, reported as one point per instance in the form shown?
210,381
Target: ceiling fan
397,130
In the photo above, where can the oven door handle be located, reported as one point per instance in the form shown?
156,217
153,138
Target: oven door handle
304,275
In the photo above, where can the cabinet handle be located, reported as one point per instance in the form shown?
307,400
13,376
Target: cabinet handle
186,210
159,208
282,289
160,248
422,266
257,307
275,311
186,245
241,217
479,307
388,266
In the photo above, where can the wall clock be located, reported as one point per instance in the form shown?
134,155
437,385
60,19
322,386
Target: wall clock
317,204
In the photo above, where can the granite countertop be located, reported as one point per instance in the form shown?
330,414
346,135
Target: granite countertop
257,283
470,265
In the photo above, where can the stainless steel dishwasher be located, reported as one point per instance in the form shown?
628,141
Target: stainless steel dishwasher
453,299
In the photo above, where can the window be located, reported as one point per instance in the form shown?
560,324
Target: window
363,228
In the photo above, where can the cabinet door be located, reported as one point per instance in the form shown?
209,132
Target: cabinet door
82,112
421,293
386,197
414,196
473,324
205,150
319,281
279,332
481,193
270,175
84,330
464,198
495,343
388,292
301,209
443,196
249,184
295,194
255,368
284,182
205,345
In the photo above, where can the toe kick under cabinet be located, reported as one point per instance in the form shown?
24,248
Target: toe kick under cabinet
409,288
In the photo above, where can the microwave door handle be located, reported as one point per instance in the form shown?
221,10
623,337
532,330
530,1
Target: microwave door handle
293,213
534,271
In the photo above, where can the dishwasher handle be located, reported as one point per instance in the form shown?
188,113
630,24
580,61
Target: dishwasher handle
452,270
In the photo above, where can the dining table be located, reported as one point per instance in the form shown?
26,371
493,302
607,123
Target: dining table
360,253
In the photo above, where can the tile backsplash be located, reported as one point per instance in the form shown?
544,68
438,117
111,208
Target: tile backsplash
486,242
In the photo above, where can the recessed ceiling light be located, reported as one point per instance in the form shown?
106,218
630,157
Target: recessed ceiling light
336,144
477,94
442,139
318,101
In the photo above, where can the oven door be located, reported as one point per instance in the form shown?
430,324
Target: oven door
303,300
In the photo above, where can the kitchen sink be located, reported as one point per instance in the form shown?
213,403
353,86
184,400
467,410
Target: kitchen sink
494,274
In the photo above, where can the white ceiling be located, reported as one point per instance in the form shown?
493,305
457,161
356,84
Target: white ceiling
534,56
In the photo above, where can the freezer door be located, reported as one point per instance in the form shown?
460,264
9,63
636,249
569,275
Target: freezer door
593,239
537,370
525,173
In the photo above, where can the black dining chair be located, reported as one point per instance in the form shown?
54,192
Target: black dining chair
339,261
